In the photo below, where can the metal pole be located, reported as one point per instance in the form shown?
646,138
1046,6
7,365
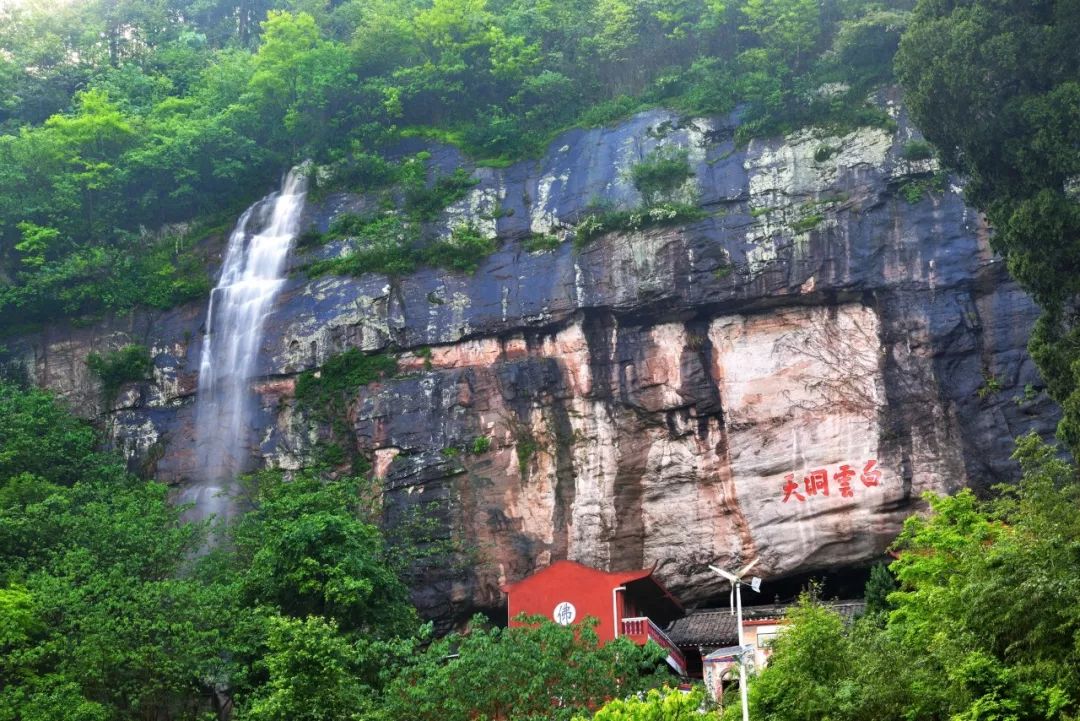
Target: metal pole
742,654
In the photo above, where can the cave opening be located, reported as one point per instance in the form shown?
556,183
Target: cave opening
842,583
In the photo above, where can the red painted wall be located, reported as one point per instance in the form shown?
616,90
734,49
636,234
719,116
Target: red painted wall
587,588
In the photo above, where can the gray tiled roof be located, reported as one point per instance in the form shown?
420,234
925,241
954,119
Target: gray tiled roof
716,626
711,627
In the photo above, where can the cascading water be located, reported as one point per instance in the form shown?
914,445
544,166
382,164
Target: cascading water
251,278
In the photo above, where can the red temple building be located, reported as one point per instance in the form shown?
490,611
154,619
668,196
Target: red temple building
626,603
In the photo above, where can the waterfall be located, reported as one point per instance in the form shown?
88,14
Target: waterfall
251,277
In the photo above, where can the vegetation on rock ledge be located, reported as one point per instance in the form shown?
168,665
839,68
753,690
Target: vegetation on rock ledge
602,220
660,174
327,391
115,368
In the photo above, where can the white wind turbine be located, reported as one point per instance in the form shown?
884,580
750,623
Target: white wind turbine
736,580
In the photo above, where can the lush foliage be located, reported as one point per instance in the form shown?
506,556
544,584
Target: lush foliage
600,220
537,672
663,704
463,251
984,624
386,243
99,619
661,174
990,84
314,673
326,394
396,241
112,607
811,652
40,441
104,614
121,121
114,368
307,548
327,390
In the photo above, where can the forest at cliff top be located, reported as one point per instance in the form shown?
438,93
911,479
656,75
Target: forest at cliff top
119,121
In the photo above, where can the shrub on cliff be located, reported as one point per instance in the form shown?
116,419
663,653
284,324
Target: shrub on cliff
660,174
328,390
463,251
125,365
600,219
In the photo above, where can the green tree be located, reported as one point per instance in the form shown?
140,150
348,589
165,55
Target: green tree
878,587
38,72
664,704
86,145
790,28
544,671
809,657
313,675
37,243
111,609
17,618
306,549
865,46
987,83
306,84
279,78
40,438
974,579
98,619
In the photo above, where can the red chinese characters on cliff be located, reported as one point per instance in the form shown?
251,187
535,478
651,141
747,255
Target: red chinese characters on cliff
818,481
791,488
843,479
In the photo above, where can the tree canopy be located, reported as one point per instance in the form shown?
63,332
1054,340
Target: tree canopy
543,671
112,607
130,131
993,84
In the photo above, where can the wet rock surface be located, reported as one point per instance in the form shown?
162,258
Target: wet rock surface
782,378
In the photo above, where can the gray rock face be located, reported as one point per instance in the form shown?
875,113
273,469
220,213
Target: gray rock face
782,378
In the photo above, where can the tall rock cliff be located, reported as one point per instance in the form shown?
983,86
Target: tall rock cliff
782,378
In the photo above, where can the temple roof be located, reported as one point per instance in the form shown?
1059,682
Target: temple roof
717,627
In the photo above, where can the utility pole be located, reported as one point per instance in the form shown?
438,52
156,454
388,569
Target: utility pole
736,581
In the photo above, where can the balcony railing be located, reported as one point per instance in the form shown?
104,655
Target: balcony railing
640,630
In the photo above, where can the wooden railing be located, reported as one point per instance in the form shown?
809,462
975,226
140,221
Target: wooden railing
641,629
